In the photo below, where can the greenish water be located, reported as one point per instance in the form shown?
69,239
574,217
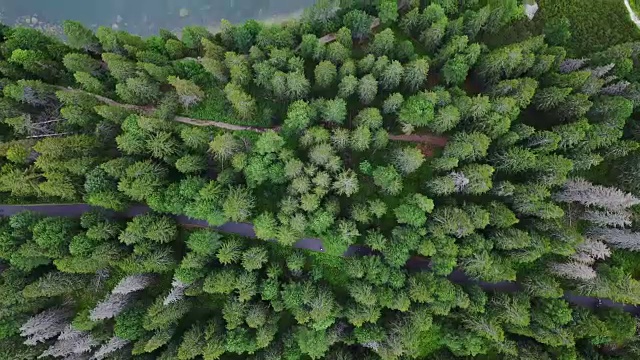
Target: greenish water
144,17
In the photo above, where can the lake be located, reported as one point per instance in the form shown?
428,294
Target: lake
144,17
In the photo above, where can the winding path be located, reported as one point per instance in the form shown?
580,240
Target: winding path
435,140
313,244
148,110
439,141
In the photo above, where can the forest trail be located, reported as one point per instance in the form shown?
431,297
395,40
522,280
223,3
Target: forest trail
426,142
313,244
148,110
439,141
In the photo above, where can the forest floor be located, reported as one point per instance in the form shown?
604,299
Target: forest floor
594,24
427,143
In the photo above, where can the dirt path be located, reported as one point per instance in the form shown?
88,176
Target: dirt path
439,141
427,143
148,110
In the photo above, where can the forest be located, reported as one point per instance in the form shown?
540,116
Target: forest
473,198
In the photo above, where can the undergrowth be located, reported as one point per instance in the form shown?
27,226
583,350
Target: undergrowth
595,24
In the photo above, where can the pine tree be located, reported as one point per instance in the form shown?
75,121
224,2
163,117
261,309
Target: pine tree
110,307
383,43
408,159
297,86
346,183
388,179
254,258
81,63
617,238
392,75
79,343
456,70
514,160
243,103
79,37
550,97
467,146
433,36
393,103
188,92
45,325
177,292
238,204
574,271
616,218
114,344
590,251
334,111
359,22
415,74
348,86
325,74
369,117
446,119
582,191
360,138
224,146
365,65
367,89
133,283
340,138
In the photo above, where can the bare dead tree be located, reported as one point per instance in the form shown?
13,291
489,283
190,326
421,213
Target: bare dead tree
460,181
595,249
109,308
574,271
616,89
616,218
133,283
177,292
79,344
113,345
45,325
570,65
587,194
601,71
617,238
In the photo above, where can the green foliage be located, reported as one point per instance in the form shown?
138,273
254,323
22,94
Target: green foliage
325,74
359,23
588,32
129,324
79,37
413,209
388,179
304,143
417,110
367,89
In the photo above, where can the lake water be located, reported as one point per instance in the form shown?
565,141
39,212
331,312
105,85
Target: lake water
144,17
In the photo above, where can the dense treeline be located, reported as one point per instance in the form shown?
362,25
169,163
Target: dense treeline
112,288
388,126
